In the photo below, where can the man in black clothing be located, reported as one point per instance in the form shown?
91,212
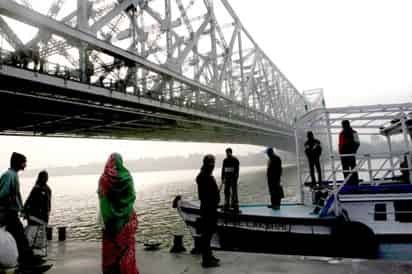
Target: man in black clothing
313,151
274,172
349,144
209,197
405,170
230,175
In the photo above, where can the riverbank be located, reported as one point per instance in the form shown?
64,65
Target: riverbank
80,257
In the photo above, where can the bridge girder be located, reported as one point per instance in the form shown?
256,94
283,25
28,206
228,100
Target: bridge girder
173,49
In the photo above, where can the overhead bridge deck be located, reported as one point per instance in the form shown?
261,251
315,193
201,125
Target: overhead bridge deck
158,70
37,104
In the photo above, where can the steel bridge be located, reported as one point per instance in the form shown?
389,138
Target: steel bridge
147,69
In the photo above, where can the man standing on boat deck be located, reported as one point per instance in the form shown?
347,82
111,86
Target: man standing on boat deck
313,151
10,206
230,175
274,172
209,197
349,144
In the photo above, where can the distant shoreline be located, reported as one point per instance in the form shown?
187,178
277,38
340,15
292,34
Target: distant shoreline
191,162
251,168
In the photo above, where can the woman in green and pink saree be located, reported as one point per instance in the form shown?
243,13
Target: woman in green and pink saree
116,199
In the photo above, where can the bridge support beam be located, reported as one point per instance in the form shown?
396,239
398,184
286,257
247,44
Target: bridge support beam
83,25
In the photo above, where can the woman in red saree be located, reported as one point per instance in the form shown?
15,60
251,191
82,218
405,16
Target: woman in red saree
116,199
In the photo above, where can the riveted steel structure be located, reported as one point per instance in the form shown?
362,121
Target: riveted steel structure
158,69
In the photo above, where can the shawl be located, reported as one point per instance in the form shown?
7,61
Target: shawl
116,195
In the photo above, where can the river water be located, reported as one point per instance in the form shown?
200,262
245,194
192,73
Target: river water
75,204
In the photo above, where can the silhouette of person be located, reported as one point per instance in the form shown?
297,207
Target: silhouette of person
274,173
405,170
313,151
38,204
349,144
230,175
116,199
209,197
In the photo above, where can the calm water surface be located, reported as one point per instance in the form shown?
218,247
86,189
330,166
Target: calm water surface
75,200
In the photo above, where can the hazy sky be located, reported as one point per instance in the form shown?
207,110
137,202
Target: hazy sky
47,152
358,51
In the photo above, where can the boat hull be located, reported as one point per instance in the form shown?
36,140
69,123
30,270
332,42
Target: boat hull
238,239
284,233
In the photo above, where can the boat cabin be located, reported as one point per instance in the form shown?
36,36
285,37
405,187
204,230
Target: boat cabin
381,196
351,212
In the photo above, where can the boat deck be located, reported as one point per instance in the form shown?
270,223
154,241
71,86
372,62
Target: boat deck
286,210
287,214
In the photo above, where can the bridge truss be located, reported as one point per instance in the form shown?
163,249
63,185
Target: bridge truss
188,57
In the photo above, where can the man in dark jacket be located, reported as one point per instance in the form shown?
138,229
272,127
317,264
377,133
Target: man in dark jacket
209,197
230,175
405,170
313,151
274,172
349,144
10,206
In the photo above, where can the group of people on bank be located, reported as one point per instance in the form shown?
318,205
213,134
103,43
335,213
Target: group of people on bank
117,196
36,208
116,199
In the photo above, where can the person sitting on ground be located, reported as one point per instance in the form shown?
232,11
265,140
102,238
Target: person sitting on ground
10,206
38,205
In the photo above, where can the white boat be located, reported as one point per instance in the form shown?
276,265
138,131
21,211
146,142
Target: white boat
335,219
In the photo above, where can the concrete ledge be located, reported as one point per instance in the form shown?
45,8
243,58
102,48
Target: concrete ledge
76,257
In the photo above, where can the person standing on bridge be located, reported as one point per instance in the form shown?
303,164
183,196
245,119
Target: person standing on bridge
230,175
274,173
349,144
209,197
116,199
10,206
313,151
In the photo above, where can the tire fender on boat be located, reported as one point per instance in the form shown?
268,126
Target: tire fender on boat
354,239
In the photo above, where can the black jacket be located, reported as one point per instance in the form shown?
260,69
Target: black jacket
313,148
38,204
230,169
208,191
274,170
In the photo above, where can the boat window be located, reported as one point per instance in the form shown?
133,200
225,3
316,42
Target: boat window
403,211
380,212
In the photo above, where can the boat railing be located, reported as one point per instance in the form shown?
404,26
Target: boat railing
373,168
376,167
